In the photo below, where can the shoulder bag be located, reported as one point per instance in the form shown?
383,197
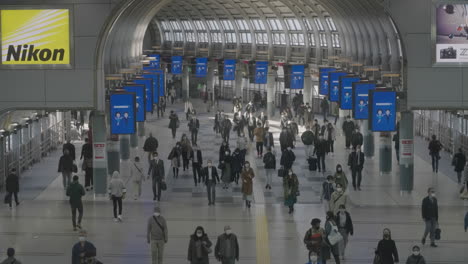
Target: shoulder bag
334,237
159,224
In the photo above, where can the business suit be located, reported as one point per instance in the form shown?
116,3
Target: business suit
156,170
210,180
197,162
356,163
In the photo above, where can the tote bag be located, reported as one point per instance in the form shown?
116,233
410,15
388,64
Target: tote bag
334,237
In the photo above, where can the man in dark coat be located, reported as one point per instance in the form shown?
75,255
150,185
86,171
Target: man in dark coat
194,127
356,138
71,149
356,164
150,146
286,139
430,215
308,139
173,123
287,159
348,128
227,247
87,150
76,191
459,162
325,106
83,250
12,187
320,150
226,126
66,168
197,162
434,150
156,171
211,178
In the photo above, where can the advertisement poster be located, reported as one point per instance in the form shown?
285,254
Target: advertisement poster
139,91
122,113
323,80
229,70
148,82
361,99
201,67
382,110
451,33
297,76
334,81
261,72
176,65
346,92
156,63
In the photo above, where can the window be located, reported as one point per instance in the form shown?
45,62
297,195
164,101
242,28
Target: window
312,40
227,25
318,23
199,25
257,24
190,36
165,25
175,25
336,40
212,24
202,37
323,40
187,25
245,38
261,38
167,36
296,39
230,37
275,24
293,24
279,39
330,23
308,25
216,37
242,24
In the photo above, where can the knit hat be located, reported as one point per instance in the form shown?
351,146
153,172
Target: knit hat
227,228
157,209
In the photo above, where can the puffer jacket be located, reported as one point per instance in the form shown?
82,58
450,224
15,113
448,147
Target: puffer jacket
415,260
116,185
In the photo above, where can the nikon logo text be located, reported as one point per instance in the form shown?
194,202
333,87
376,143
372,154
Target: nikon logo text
29,53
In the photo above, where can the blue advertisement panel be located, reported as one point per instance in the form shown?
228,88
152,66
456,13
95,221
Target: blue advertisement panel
297,77
156,63
361,99
122,113
162,84
139,91
382,110
229,70
201,67
334,83
176,65
346,92
148,83
323,80
159,82
261,72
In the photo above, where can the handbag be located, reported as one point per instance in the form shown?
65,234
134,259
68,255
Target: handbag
7,198
74,168
281,173
334,237
163,186
377,259
208,250
437,233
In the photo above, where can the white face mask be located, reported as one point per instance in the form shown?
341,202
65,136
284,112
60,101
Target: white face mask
199,234
157,214
227,153
416,253
313,258
339,189
247,165
228,232
339,170
82,239
433,194
209,164
290,173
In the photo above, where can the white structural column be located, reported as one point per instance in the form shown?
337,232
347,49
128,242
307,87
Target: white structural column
368,135
186,83
308,86
239,81
271,83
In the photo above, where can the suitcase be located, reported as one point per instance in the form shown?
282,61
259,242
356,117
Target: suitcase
312,163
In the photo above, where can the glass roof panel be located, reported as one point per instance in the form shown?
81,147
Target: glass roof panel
319,24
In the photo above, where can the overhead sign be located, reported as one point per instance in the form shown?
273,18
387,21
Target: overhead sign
261,72
122,113
139,91
229,70
201,67
346,92
334,83
148,82
297,76
156,63
176,65
323,80
35,37
382,110
361,99
451,40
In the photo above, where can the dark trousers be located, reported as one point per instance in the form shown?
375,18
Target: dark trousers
197,175
174,130
78,208
89,177
356,173
331,144
194,136
435,162
117,201
251,132
156,189
10,194
260,148
185,161
211,189
397,152
348,141
226,135
321,162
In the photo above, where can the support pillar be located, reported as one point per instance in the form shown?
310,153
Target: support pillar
210,83
134,140
141,129
239,80
3,172
406,151
455,120
186,83
271,82
369,146
98,126
124,147
385,163
307,87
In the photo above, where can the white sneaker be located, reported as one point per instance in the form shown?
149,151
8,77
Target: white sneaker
119,218
116,220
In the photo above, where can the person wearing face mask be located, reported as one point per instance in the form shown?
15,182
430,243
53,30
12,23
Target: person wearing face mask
174,157
291,190
259,133
136,173
327,191
237,162
226,169
345,227
338,198
348,128
223,149
314,240
287,158
269,161
157,235
430,215
320,150
330,226
226,126
356,164
199,247
286,139
247,176
386,249
309,116
308,140
156,170
174,123
211,178
242,145
251,125
194,127
83,249
356,138
76,191
186,149
340,177
227,247
117,193
416,257
197,162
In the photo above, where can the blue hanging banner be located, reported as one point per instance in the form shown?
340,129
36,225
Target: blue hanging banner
156,63
361,99
334,81
346,92
297,76
148,83
139,91
160,81
229,70
176,65
122,113
201,68
323,80
261,72
382,110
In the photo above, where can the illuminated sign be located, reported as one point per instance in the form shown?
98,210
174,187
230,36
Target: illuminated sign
201,67
297,77
323,80
334,83
122,113
148,83
346,92
35,37
361,99
139,91
261,72
229,70
176,65
382,109
156,63
451,33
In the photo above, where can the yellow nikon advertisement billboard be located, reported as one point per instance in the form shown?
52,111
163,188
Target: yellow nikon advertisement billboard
35,37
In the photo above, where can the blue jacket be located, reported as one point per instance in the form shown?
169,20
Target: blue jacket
466,221
89,251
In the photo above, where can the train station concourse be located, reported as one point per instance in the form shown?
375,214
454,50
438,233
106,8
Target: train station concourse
233,131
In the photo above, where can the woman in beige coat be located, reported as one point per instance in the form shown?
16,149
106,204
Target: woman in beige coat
247,176
338,198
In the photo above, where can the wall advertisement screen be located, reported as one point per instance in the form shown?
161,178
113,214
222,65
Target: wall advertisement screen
323,80
176,67
122,113
346,92
451,33
334,84
201,68
229,70
139,91
361,99
148,82
156,63
382,109
261,72
297,76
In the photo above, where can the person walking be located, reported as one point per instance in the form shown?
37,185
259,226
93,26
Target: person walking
287,159
345,227
308,140
268,141
286,139
199,247
197,163
174,157
226,169
251,125
320,150
242,145
348,128
416,257
340,177
269,161
338,197
211,178
226,128
330,138
314,239
247,176
291,190
331,226
11,257
136,173
194,127
430,215
327,191
396,139
459,162
186,148
87,166
386,249
12,187
157,236
356,138
156,171
227,247
325,107
70,147
83,249
76,191
259,133
150,146
66,167
117,192
356,164
434,151
174,123
237,164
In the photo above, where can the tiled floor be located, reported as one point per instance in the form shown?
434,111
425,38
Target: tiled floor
40,229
